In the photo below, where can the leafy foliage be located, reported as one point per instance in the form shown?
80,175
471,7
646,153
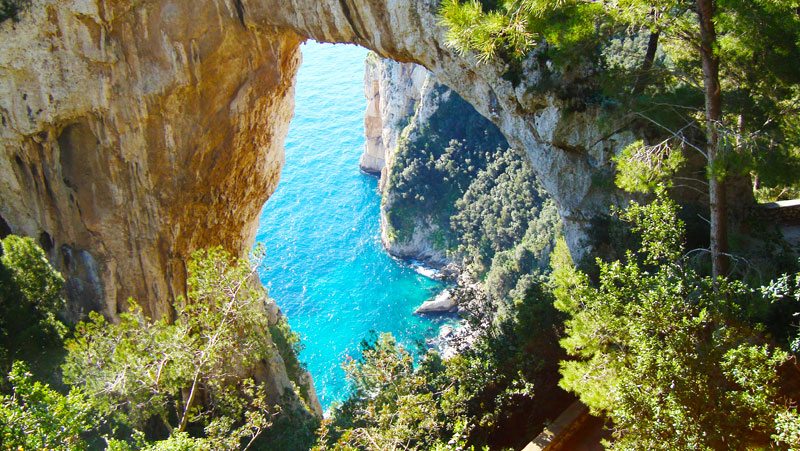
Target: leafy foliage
188,372
34,416
187,382
495,394
10,9
496,218
434,166
30,301
511,28
647,68
495,212
662,350
642,168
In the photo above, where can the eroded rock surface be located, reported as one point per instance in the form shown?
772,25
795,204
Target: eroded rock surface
569,151
132,135
138,131
444,302
393,91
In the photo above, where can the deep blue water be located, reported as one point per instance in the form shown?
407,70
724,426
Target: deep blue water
325,266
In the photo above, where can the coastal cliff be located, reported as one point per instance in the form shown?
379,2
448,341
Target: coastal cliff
401,99
452,190
135,133
393,91
128,142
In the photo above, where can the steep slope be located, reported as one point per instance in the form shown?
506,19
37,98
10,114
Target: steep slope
132,136
433,145
135,132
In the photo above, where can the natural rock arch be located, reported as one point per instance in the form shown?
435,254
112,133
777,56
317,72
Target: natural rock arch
135,132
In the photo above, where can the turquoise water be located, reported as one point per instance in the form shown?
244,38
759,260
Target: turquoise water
325,266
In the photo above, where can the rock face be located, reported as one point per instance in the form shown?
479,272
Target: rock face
400,99
393,91
134,133
569,150
420,117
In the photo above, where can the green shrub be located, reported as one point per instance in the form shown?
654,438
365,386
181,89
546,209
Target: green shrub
662,351
31,300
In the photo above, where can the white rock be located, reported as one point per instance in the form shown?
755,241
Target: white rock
442,303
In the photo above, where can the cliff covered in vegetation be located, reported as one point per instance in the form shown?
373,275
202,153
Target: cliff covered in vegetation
134,134
141,106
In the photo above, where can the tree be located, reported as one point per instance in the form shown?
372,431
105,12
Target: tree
745,47
496,210
666,353
717,190
34,416
496,393
190,371
30,302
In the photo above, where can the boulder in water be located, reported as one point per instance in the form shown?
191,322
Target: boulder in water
444,302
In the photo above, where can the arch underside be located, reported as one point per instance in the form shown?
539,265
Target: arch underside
134,134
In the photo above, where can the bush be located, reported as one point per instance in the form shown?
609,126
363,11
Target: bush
191,375
30,302
34,416
665,353
497,393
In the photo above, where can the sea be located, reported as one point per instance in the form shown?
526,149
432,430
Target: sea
325,265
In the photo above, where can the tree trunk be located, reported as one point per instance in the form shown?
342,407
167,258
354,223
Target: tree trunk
718,202
647,65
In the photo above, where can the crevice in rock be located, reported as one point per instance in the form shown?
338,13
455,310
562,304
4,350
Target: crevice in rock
66,254
46,241
349,16
239,10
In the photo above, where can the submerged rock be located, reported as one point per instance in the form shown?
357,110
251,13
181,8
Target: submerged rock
444,302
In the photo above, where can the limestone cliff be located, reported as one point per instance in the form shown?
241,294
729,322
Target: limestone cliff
568,148
134,133
393,92
411,119
400,99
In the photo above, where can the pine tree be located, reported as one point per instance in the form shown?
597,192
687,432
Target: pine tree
747,47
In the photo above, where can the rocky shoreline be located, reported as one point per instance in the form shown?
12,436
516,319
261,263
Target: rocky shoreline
457,301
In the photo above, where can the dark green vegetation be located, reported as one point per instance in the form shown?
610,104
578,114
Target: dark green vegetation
712,78
674,349
496,393
489,214
658,349
437,166
663,351
192,382
30,302
498,210
458,178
